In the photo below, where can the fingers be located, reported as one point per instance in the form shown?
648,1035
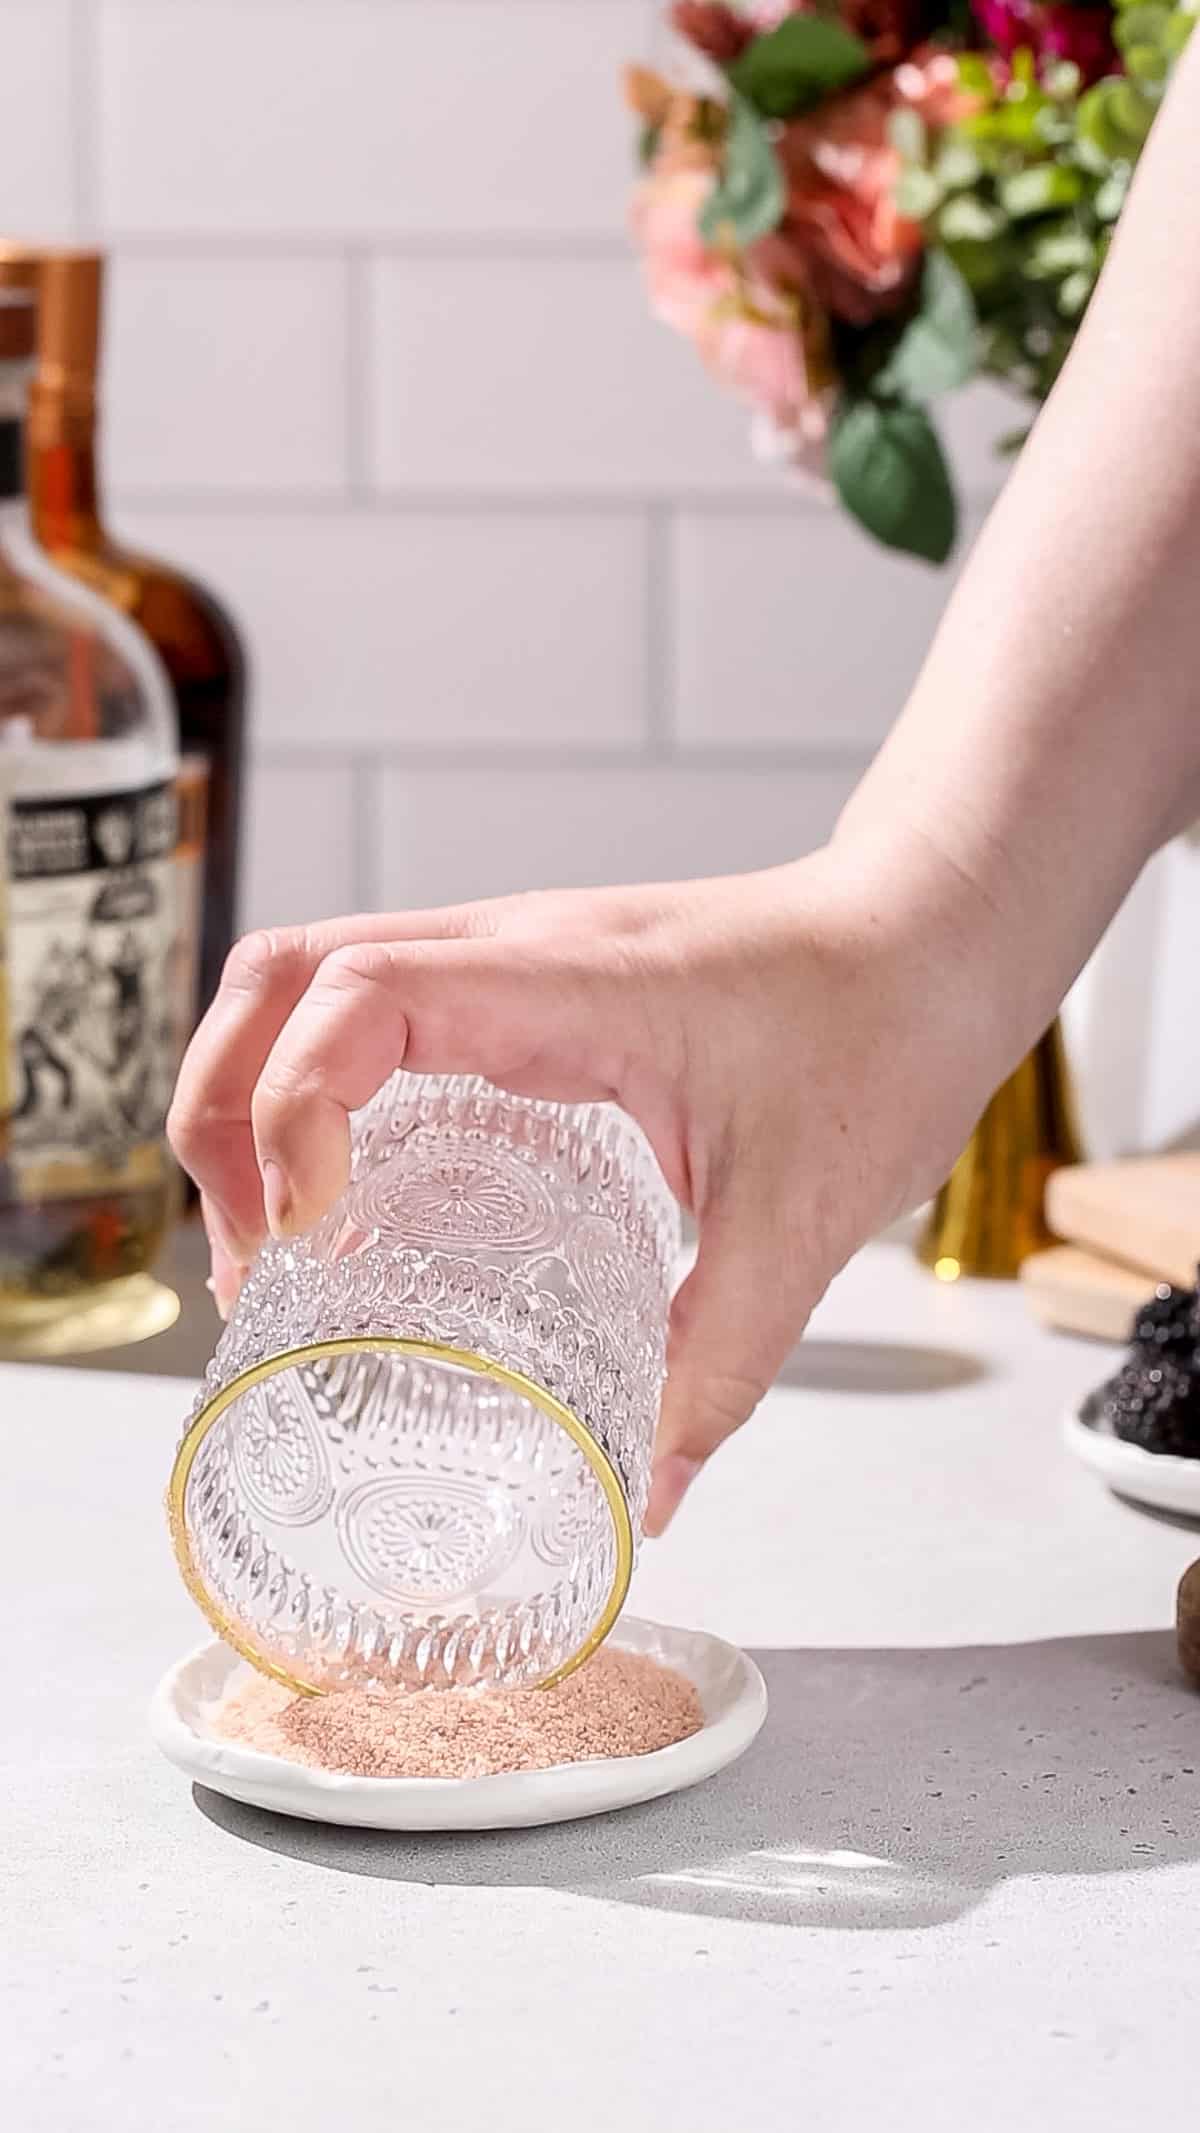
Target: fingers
227,1273
264,978
510,1011
733,1324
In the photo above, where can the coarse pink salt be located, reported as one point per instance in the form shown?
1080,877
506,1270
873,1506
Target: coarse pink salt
619,1703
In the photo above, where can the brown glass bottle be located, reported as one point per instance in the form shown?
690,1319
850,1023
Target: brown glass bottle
88,922
194,637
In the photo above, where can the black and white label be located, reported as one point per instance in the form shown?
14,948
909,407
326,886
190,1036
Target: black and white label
91,931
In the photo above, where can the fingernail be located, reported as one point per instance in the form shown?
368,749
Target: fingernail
277,1199
673,1477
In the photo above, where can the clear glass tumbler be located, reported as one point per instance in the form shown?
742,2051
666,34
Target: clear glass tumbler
421,1453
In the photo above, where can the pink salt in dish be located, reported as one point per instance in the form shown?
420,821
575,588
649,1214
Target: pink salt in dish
620,1703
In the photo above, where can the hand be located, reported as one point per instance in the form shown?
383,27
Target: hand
791,1042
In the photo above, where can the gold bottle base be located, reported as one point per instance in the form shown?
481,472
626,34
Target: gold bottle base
114,1316
988,1216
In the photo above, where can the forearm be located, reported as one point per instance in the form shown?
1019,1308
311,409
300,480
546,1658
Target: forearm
1053,739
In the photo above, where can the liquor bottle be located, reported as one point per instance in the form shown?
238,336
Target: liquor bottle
195,639
88,768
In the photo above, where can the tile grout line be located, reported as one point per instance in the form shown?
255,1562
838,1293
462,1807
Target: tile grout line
517,247
814,760
732,502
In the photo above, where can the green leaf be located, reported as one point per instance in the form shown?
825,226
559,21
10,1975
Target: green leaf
936,352
749,200
648,140
1116,118
1040,188
887,466
1140,25
1007,446
975,75
795,65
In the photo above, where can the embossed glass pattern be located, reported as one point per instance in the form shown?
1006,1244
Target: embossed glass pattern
421,1452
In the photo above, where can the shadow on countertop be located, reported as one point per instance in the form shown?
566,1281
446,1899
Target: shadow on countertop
895,1368
888,1789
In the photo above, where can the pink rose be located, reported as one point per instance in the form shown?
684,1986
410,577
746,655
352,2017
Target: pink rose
755,347
684,278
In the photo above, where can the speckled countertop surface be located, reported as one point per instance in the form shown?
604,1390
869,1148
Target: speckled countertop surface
956,1885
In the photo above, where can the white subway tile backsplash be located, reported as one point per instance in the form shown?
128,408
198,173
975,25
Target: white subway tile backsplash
36,120
441,836
795,631
299,845
432,631
540,375
227,374
345,116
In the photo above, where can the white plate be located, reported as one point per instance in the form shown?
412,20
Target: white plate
731,1689
1160,1479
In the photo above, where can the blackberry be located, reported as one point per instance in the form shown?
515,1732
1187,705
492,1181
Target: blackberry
1153,1402
1168,1322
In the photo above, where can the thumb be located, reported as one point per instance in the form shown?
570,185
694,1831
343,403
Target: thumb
733,1323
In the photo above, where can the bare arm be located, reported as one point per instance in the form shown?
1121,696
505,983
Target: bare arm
808,1048
1053,739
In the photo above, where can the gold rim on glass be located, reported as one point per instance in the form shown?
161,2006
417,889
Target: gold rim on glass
429,1352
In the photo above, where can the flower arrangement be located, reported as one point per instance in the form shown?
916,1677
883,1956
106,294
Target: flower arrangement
854,206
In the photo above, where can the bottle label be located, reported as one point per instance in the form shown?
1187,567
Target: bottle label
86,1038
192,791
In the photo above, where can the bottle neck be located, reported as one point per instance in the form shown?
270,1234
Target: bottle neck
60,472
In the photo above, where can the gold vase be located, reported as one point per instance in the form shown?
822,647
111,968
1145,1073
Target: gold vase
988,1216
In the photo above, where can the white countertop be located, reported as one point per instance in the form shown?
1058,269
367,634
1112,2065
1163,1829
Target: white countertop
954,1888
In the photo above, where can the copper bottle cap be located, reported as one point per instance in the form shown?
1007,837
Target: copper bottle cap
67,285
18,325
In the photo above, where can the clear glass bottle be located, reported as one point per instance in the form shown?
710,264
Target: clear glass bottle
195,638
88,925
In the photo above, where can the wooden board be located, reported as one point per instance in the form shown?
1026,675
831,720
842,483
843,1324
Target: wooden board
1076,1292
1144,1213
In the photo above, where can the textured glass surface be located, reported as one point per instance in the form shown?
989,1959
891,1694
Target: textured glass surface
409,1520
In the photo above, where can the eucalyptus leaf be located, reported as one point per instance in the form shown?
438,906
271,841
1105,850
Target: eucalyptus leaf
936,352
889,470
749,199
804,59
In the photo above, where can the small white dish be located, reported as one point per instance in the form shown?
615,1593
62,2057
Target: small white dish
1160,1479
731,1690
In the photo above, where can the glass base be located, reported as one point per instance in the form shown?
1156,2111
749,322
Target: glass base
114,1316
